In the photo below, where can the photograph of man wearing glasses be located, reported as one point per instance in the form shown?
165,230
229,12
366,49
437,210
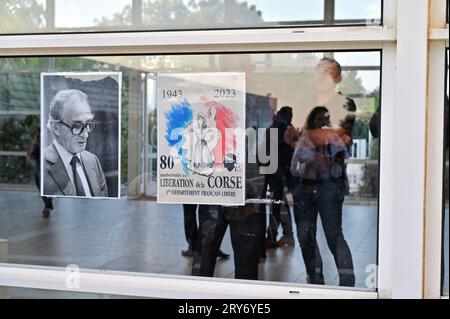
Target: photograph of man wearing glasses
68,168
80,131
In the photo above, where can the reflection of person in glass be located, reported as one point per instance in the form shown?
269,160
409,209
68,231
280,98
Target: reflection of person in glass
341,117
341,108
246,236
34,159
68,169
318,162
192,231
279,180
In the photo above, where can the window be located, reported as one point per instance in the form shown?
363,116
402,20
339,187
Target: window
391,219
137,235
368,10
40,16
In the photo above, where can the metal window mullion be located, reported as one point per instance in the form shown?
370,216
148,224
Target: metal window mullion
387,161
438,36
50,13
410,148
162,286
200,41
387,155
329,12
434,180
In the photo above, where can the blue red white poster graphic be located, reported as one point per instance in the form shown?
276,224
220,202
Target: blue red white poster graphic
201,138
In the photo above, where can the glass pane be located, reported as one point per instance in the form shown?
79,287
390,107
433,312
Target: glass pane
101,13
37,16
23,16
445,283
291,11
369,10
369,59
329,199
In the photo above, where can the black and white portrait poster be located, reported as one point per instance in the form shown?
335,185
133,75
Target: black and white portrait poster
80,134
201,138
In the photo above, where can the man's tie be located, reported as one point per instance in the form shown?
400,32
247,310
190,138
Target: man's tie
76,177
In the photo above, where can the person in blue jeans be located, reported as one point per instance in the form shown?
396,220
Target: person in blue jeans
318,163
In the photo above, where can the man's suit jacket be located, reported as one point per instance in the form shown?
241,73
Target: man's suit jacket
57,181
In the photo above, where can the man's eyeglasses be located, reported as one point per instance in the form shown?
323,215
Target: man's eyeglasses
78,127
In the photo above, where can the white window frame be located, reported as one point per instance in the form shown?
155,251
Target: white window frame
407,208
438,42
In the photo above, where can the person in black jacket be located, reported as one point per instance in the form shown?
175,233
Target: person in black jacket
374,124
279,180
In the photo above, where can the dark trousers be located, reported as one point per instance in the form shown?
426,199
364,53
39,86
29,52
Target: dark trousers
48,201
245,238
191,230
276,183
326,199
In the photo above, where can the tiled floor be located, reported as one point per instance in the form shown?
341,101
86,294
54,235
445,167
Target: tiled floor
140,236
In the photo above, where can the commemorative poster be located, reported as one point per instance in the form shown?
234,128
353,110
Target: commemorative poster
80,134
201,138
